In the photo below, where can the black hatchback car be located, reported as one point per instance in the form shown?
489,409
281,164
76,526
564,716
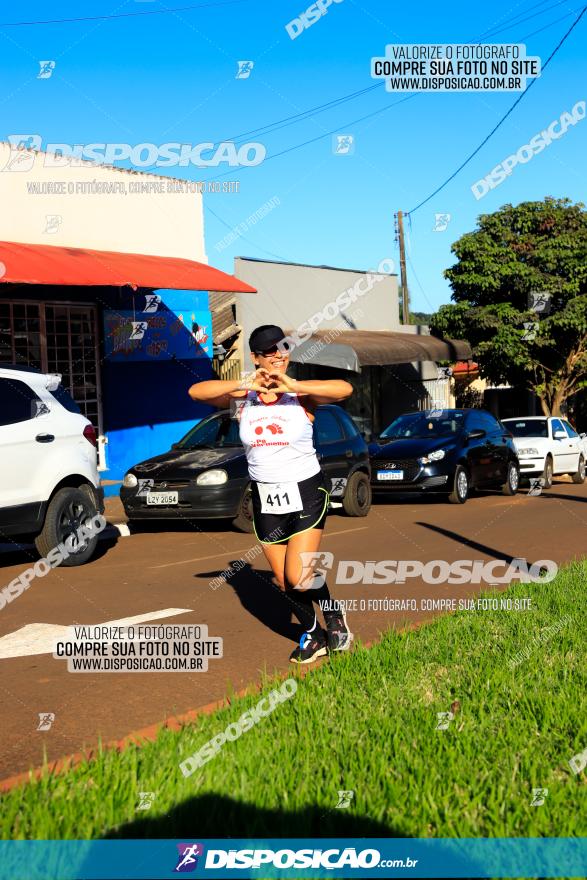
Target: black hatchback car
204,475
449,451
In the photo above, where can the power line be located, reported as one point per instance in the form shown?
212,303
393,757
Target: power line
500,21
556,21
512,21
503,118
320,136
120,15
244,238
306,114
289,120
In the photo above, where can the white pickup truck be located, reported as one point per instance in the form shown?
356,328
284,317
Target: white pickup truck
548,446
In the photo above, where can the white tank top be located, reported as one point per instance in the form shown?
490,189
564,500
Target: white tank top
278,439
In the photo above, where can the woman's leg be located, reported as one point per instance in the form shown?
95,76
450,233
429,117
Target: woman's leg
275,556
311,587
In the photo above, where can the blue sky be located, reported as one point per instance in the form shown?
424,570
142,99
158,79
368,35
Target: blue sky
172,77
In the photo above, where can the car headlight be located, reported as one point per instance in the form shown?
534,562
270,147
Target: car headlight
528,450
214,477
130,481
437,455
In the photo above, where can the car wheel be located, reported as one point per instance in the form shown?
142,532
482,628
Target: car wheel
68,510
243,521
579,476
511,485
547,473
460,490
357,496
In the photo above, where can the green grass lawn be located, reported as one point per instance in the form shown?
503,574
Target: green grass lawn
366,722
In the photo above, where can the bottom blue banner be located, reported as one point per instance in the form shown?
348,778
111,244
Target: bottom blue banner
298,857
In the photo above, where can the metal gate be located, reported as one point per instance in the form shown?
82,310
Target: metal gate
56,338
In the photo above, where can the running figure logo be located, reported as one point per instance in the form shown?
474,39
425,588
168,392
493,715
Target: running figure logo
444,719
138,329
344,799
188,857
318,563
47,68
146,800
539,302
441,222
152,302
343,144
536,486
52,223
244,69
46,719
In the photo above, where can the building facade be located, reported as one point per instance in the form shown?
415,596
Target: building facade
129,335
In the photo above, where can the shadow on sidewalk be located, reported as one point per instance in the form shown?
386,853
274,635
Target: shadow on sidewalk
260,597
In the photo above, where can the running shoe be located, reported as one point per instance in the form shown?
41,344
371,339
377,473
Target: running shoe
338,634
312,646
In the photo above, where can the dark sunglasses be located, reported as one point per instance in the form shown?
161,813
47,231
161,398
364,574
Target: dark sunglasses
269,351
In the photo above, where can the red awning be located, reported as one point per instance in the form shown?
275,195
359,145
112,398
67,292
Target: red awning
45,264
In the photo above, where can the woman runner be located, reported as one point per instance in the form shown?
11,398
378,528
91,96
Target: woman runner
289,490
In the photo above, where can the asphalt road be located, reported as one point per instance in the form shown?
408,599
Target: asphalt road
157,569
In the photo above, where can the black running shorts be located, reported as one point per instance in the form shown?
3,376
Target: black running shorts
277,528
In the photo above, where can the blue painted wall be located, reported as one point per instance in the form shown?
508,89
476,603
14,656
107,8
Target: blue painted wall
151,359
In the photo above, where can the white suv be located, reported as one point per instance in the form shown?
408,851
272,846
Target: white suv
49,483
547,446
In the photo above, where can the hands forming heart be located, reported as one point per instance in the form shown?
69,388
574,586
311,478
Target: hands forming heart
275,381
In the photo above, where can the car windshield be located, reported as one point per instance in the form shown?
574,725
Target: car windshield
218,432
527,427
420,426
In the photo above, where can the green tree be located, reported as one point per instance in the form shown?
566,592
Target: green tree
512,256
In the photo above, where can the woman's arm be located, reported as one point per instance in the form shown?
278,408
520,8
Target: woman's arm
318,390
219,392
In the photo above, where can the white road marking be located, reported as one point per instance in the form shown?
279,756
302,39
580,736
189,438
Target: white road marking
244,552
123,529
40,638
345,532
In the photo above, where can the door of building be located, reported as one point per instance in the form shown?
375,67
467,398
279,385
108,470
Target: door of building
56,338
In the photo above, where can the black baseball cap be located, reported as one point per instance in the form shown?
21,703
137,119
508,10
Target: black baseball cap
265,337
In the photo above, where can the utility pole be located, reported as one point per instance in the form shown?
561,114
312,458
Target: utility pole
399,232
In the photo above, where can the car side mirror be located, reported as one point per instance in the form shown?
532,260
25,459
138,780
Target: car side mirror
560,435
476,434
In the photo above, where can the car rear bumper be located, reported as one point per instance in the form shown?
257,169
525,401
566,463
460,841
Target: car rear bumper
194,502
